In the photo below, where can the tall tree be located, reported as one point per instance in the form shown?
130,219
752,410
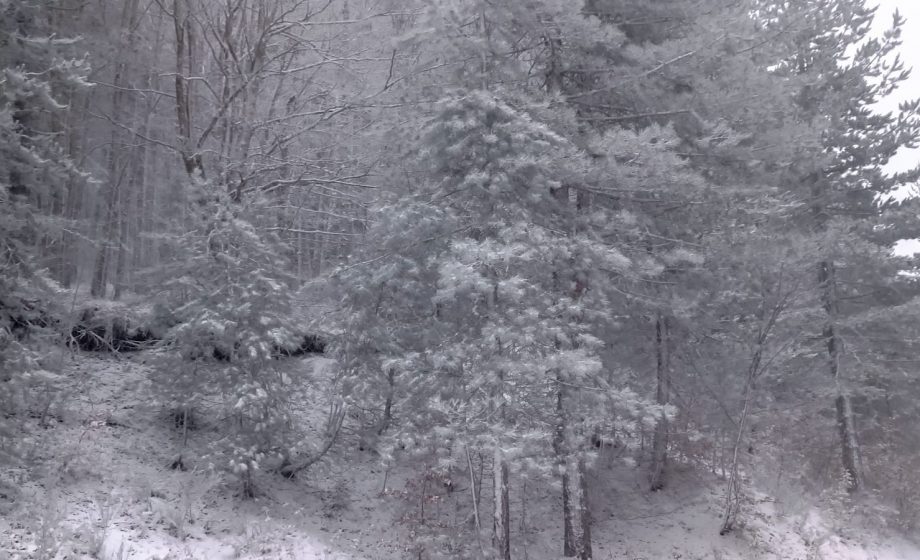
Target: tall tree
843,178
35,67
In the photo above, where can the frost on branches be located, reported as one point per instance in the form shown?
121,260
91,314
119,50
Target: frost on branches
485,296
233,304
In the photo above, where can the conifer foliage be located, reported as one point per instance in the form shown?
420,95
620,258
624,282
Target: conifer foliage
497,270
35,74
233,305
844,181
558,228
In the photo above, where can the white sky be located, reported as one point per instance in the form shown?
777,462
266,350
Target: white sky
910,54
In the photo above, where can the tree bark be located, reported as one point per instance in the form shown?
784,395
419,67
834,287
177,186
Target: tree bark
578,545
106,211
121,265
185,43
112,212
576,520
474,495
109,217
73,208
388,405
846,425
662,397
559,450
768,320
733,491
501,524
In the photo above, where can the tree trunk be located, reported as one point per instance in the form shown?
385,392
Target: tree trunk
578,543
112,214
106,211
71,241
559,450
501,525
576,520
121,265
733,491
663,394
846,426
185,47
388,405
474,496
109,217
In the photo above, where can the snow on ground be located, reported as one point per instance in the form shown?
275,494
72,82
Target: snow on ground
101,487
104,488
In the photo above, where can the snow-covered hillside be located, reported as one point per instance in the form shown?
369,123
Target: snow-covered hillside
99,485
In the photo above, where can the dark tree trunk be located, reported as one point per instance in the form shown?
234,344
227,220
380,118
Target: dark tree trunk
388,405
846,426
577,516
501,525
185,47
663,394
576,519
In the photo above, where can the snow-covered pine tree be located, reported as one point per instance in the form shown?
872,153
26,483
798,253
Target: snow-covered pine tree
484,291
233,302
840,72
34,174
632,80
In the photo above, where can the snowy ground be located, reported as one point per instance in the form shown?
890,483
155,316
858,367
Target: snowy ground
101,487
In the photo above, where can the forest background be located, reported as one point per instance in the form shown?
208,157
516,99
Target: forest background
527,232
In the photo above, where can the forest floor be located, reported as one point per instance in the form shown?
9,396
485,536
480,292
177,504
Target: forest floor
100,486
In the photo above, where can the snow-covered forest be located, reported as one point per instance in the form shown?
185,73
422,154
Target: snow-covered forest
472,279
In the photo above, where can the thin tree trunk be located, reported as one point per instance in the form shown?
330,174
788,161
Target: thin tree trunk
185,46
733,492
70,243
475,498
113,213
827,286
559,449
579,545
501,526
846,425
660,439
501,503
121,269
388,405
110,219
576,519
106,211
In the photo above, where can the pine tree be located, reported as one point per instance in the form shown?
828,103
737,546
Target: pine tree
232,300
662,77
843,177
34,171
486,293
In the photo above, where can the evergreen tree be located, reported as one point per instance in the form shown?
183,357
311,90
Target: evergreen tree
492,279
233,303
34,173
842,179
